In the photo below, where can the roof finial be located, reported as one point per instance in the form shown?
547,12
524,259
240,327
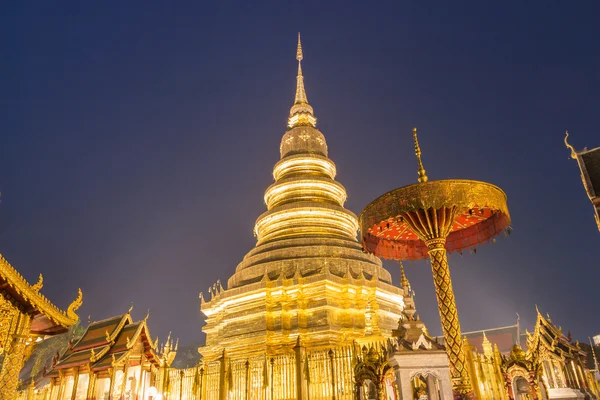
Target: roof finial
422,177
403,279
573,152
299,51
301,112
300,92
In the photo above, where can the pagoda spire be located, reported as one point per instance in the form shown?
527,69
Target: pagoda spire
403,279
300,91
301,112
409,301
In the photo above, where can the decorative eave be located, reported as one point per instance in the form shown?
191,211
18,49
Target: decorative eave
81,357
109,361
130,335
143,334
36,303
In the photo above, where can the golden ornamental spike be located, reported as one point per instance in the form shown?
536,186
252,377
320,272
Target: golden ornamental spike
403,279
74,306
301,113
299,50
573,152
422,177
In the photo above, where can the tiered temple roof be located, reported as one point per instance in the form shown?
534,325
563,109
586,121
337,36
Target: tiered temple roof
547,337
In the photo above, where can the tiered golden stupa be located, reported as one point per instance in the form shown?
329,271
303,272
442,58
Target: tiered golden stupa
302,300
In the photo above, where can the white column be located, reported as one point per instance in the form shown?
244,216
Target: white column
405,384
445,385
432,387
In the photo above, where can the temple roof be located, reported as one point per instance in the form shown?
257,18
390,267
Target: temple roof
47,318
99,333
548,335
107,342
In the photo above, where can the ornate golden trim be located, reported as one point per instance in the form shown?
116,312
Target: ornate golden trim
460,193
38,300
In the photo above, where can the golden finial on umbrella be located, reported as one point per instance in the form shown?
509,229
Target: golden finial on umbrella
422,177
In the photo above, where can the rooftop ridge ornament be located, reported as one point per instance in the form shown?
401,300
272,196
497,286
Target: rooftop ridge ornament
573,152
301,113
422,176
300,91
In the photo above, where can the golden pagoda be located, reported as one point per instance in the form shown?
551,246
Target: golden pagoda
306,296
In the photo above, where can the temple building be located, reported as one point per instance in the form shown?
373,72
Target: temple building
26,318
589,167
552,366
306,294
114,358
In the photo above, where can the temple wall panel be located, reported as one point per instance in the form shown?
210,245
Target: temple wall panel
102,388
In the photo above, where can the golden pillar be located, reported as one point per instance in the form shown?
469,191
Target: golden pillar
91,389
432,226
124,382
112,372
14,352
301,386
61,384
449,316
75,383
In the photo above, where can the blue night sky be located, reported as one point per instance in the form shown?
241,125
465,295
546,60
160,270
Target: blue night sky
138,139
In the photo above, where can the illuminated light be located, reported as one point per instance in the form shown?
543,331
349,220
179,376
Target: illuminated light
386,295
231,302
304,189
301,119
302,221
304,163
